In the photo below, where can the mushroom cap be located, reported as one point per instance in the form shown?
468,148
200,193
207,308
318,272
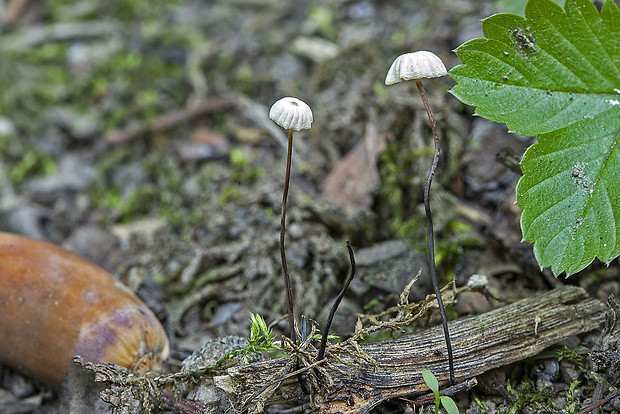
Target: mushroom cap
291,113
416,65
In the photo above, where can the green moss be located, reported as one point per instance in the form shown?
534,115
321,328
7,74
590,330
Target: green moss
51,56
243,170
359,58
403,173
138,86
456,237
380,91
127,10
245,79
109,199
324,19
576,355
394,197
229,195
527,395
138,203
376,337
32,163
571,401
480,404
371,306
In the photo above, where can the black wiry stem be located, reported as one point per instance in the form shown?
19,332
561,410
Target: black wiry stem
601,402
429,229
287,281
332,312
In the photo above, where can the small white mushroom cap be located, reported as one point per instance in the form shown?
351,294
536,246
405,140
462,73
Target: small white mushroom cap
291,113
416,65
477,281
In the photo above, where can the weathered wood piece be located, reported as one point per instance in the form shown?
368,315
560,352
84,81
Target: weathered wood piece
481,343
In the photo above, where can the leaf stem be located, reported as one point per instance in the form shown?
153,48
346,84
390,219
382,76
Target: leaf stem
287,281
429,229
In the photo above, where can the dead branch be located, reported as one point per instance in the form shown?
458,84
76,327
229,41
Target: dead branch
355,378
481,343
169,120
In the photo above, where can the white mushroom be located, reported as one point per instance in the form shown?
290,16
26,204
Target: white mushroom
416,65
294,115
291,113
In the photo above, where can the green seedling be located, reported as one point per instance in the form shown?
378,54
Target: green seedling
446,402
261,339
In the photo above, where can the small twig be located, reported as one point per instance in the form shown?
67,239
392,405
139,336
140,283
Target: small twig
460,387
601,402
36,35
169,120
287,280
304,332
332,312
509,159
429,229
12,12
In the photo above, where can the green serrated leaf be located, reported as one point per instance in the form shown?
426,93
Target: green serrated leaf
556,74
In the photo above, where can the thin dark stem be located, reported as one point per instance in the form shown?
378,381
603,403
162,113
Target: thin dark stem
601,402
429,229
287,280
332,312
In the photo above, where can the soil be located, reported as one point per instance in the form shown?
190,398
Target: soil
136,134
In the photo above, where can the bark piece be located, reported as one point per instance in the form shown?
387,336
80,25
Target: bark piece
354,380
481,343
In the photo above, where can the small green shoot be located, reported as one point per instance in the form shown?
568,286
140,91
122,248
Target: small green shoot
318,337
571,400
480,404
261,339
446,402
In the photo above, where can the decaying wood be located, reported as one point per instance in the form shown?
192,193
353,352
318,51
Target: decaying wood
353,378
353,385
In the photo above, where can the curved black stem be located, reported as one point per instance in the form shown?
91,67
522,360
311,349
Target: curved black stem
332,312
601,402
429,229
287,281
